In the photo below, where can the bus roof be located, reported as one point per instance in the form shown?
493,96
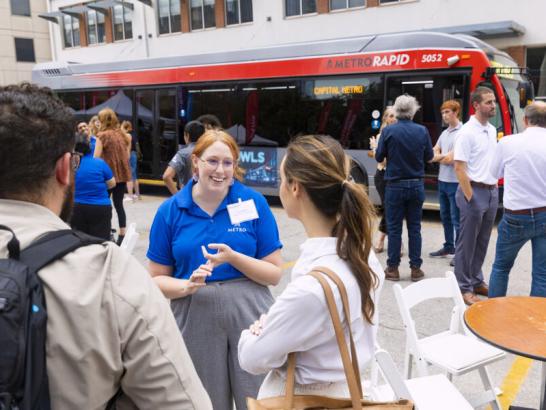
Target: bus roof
353,45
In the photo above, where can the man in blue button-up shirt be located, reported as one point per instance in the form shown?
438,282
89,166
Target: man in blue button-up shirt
407,147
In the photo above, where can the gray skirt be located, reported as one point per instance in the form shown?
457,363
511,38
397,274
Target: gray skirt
211,322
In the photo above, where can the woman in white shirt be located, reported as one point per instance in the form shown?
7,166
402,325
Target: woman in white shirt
338,219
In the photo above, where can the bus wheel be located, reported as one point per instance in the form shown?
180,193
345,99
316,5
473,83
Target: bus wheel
359,175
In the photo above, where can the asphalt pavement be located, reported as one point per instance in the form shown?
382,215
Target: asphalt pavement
431,317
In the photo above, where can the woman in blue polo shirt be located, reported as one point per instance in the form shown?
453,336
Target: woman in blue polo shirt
92,212
219,232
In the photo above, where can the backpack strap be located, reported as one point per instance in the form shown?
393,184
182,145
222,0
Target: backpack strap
13,244
54,245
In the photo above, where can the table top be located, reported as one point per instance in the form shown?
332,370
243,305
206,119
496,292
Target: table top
516,324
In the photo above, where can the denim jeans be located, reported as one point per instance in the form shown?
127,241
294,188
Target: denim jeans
449,213
404,199
513,232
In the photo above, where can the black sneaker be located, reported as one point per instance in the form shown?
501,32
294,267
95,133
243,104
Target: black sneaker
452,262
442,253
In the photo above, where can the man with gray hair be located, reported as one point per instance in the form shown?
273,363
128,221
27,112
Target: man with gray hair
406,146
521,159
477,196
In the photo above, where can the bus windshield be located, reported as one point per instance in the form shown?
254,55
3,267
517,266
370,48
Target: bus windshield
516,112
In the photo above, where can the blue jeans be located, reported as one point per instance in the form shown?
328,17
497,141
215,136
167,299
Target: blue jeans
514,231
449,213
404,199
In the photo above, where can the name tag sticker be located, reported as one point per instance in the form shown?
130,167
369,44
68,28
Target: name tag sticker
242,211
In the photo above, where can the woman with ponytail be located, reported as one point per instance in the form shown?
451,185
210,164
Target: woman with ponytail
338,218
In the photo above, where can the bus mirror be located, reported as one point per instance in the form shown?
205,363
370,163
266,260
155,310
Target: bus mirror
526,93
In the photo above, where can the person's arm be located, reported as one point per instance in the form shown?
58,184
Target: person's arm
111,183
174,288
497,164
464,181
282,330
381,150
98,148
447,159
157,369
265,271
438,157
168,178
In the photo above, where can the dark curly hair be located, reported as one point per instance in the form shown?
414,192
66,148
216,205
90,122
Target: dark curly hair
36,128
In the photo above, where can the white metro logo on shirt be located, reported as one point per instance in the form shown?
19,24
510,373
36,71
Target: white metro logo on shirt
237,228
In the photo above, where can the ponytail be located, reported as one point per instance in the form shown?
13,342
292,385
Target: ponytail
320,165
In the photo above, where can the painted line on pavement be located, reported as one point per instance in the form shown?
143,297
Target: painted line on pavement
512,382
288,265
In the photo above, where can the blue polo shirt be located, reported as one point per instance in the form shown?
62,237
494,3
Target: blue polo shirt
407,147
91,178
180,227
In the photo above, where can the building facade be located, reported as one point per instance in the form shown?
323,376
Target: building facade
116,30
24,39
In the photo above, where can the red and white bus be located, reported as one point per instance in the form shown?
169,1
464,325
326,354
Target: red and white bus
265,97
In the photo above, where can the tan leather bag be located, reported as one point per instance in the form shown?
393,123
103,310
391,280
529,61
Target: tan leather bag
293,401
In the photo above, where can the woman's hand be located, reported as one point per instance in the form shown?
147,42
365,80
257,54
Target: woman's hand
196,280
224,255
373,143
257,327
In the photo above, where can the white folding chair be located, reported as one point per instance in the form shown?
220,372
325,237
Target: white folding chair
454,351
130,240
427,393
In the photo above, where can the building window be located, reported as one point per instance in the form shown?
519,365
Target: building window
24,50
169,16
300,7
345,4
122,21
20,7
238,11
202,14
388,1
71,31
95,27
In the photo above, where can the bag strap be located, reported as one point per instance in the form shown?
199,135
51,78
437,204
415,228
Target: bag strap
54,245
13,244
346,311
354,389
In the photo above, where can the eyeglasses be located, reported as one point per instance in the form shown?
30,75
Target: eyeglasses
214,163
75,159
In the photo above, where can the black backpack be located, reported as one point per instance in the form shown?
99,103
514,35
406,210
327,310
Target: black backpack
23,317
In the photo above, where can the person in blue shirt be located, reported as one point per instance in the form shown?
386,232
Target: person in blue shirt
214,249
92,212
407,148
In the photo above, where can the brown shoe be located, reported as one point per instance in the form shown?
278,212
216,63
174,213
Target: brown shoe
391,273
470,298
482,289
417,274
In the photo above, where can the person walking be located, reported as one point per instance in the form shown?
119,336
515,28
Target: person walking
379,178
110,332
219,233
521,160
338,217
92,208
447,179
477,195
407,147
114,146
133,187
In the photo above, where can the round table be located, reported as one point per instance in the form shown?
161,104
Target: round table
516,324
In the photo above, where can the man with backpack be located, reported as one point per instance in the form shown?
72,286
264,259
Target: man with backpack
103,330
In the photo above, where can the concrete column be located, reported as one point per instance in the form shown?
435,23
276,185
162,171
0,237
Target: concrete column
323,6
518,53
372,3
220,13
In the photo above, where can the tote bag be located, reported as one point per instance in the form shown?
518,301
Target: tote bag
291,401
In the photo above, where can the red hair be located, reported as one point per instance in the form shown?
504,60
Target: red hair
212,136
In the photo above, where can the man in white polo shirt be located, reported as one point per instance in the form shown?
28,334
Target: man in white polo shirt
521,159
477,196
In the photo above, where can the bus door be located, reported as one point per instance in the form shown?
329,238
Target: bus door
156,128
430,90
